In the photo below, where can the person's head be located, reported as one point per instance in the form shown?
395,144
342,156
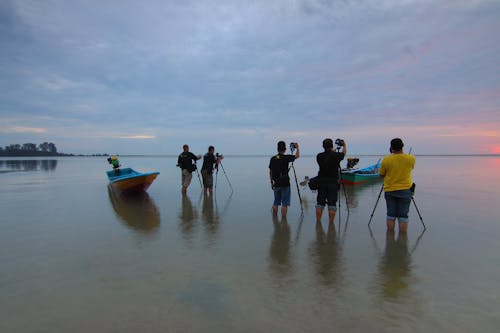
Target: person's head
185,148
327,144
396,145
211,149
281,146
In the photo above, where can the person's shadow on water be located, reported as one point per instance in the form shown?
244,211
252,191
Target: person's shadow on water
395,266
326,254
187,217
280,263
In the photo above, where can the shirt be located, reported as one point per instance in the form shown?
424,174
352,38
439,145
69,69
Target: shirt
329,164
208,162
185,161
396,169
279,169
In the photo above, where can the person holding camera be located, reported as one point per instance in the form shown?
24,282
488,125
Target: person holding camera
187,162
278,176
329,167
210,161
396,170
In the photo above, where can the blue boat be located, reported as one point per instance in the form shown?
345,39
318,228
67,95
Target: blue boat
129,180
360,176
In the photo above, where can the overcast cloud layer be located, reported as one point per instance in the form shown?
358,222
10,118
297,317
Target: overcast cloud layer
144,77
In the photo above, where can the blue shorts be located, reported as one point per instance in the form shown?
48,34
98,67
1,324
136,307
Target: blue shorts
398,204
282,196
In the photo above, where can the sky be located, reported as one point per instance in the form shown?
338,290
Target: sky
146,77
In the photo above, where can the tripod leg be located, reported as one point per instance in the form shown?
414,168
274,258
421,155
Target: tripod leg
418,212
298,191
345,196
225,174
376,203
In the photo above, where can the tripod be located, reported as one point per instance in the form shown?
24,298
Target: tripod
412,199
298,191
198,174
341,184
225,174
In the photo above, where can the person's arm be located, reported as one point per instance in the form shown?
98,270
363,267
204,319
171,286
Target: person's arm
344,148
297,151
271,178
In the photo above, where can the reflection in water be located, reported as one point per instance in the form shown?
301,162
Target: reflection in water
27,165
326,255
209,214
188,216
354,192
137,210
279,250
395,266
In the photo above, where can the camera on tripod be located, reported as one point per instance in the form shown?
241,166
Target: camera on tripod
293,146
339,142
217,155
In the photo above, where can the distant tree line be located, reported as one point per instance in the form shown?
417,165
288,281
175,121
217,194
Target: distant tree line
30,149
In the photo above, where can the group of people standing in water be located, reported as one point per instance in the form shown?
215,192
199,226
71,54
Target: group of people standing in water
395,169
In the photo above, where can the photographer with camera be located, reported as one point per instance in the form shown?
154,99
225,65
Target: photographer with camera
187,162
329,167
278,176
210,161
398,185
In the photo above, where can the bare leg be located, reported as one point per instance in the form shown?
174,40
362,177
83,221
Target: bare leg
390,225
275,210
331,215
319,213
284,210
403,227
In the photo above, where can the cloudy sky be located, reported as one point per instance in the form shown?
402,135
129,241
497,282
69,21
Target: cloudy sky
145,77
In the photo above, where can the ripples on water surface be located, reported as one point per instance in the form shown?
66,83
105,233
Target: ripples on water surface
78,257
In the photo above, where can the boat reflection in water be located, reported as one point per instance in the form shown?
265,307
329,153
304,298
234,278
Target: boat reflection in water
137,210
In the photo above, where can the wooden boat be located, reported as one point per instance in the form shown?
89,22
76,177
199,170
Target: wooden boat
360,176
129,180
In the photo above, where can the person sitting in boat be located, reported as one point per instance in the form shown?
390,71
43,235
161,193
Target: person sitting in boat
115,163
351,162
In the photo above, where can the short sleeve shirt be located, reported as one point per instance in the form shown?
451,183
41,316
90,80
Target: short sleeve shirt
396,169
279,169
329,164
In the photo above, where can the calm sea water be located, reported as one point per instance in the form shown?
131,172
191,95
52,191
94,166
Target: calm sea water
76,257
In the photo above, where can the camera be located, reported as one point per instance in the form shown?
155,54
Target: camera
217,155
110,160
293,146
339,142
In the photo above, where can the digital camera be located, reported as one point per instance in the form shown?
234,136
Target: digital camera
339,142
293,145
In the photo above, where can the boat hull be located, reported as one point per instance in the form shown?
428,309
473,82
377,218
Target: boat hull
361,176
356,178
129,180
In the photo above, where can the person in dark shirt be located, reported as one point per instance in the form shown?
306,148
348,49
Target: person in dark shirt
329,166
278,176
210,161
187,162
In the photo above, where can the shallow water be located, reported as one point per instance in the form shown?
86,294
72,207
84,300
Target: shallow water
78,257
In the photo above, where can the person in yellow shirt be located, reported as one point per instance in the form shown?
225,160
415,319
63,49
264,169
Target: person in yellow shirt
396,170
